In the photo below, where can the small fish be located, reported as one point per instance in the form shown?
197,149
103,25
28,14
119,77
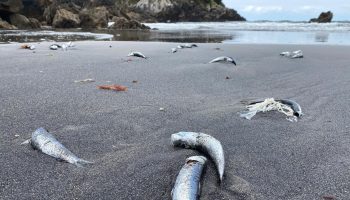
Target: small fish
48,144
173,50
137,54
291,103
54,47
223,59
88,80
294,105
202,142
293,54
187,185
180,46
189,45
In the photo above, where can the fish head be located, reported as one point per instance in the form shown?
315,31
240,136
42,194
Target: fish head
196,159
184,139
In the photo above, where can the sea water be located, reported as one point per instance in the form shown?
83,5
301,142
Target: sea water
262,32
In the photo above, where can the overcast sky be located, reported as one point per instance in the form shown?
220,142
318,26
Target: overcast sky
296,10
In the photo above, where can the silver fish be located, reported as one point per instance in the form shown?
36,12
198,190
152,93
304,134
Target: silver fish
187,185
173,50
137,54
223,59
291,103
47,143
54,47
202,142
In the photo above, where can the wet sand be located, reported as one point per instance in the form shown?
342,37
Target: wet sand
128,137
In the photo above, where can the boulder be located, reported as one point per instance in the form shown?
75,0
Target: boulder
34,23
123,23
21,21
94,17
10,6
6,25
65,19
324,17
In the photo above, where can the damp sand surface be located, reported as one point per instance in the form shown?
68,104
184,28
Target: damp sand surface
127,135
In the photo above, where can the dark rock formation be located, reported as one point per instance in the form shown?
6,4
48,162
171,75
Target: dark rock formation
123,23
324,17
96,17
96,13
10,6
65,19
6,25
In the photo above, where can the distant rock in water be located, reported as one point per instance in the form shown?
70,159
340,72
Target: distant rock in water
324,17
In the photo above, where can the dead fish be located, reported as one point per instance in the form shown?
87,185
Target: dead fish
223,59
187,185
202,142
173,50
190,45
291,103
48,144
293,54
88,80
137,54
54,46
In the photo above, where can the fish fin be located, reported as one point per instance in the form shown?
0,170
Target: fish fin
82,163
26,142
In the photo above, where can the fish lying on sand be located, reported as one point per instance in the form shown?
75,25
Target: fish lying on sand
223,59
293,54
137,54
291,103
186,46
187,185
48,144
202,142
88,80
173,50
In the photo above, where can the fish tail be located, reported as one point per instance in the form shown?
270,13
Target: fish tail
82,163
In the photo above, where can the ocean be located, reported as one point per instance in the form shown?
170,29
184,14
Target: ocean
261,32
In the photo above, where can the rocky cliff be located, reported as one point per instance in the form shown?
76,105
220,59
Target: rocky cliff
127,14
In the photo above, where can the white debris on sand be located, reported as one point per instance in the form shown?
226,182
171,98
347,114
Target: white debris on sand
268,104
293,54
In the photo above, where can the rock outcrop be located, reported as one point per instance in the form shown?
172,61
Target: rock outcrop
65,19
5,25
127,14
123,23
96,17
324,17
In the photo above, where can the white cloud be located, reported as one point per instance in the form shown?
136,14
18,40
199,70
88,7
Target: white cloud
262,9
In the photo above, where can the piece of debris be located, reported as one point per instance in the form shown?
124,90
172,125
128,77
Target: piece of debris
223,59
134,81
137,54
329,197
110,46
161,109
173,50
113,87
16,135
293,54
227,77
287,107
26,46
88,80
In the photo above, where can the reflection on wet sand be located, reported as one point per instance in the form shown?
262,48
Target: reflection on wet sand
321,37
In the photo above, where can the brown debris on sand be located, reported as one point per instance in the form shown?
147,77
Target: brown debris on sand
113,87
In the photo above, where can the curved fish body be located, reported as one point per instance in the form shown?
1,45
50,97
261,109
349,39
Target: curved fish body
223,59
202,142
292,104
137,54
54,47
48,144
187,185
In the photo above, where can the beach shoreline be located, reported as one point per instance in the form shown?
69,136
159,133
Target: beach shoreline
128,136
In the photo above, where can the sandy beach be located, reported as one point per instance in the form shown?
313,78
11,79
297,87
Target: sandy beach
128,137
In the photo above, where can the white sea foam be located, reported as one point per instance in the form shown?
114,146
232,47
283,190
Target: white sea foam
96,36
253,26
